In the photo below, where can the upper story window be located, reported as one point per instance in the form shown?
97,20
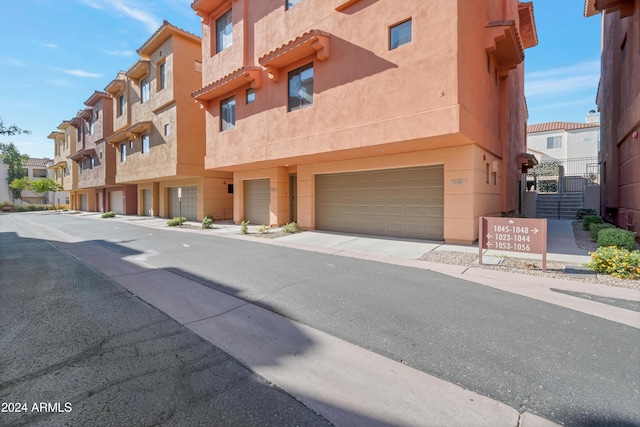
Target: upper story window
91,125
144,90
224,32
251,95
145,143
291,3
120,105
92,162
162,75
400,34
123,152
228,113
554,142
167,129
301,87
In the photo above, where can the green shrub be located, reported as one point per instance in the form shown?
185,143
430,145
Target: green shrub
30,208
207,222
244,227
176,221
292,227
591,219
263,229
617,262
594,229
581,213
617,237
109,214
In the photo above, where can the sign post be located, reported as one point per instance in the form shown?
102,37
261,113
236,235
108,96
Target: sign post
514,235
180,204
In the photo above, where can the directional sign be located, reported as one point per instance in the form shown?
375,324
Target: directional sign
514,235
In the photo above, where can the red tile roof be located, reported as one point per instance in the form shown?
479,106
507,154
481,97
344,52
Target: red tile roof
37,162
547,127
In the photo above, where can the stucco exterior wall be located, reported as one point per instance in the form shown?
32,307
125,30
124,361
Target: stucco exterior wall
431,101
619,105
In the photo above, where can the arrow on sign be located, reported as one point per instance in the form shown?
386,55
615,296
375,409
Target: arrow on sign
489,236
510,221
535,231
489,244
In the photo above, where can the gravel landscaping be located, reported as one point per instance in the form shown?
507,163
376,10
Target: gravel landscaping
534,267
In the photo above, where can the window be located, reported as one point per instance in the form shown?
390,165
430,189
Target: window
228,113
145,143
167,129
162,75
488,63
488,172
92,162
554,142
91,123
291,3
120,105
224,32
144,90
301,87
400,34
251,95
123,152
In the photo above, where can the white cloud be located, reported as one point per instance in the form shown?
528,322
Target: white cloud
128,8
120,52
582,76
51,45
82,73
60,82
11,61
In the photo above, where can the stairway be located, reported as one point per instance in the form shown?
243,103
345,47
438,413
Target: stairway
559,205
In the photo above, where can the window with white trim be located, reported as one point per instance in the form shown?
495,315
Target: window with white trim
554,142
144,90
145,143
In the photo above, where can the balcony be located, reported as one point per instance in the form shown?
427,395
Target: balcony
502,40
248,75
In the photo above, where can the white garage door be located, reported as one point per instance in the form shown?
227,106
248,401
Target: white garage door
84,202
116,202
396,202
257,201
189,203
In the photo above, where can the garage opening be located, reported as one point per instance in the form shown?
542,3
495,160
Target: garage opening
189,203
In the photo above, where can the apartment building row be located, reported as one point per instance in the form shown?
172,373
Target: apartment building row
403,119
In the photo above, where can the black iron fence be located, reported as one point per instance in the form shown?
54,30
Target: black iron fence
564,175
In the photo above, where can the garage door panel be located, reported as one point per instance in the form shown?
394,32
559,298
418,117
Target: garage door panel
189,208
400,202
116,202
257,201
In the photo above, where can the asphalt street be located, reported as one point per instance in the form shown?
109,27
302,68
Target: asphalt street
79,350
564,365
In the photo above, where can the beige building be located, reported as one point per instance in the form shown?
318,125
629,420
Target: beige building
159,131
392,118
97,190
64,170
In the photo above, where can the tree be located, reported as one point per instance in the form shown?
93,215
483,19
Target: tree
18,185
44,185
12,157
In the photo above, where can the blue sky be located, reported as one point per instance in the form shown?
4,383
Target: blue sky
55,53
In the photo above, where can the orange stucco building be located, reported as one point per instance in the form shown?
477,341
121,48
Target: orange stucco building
618,101
378,117
159,131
